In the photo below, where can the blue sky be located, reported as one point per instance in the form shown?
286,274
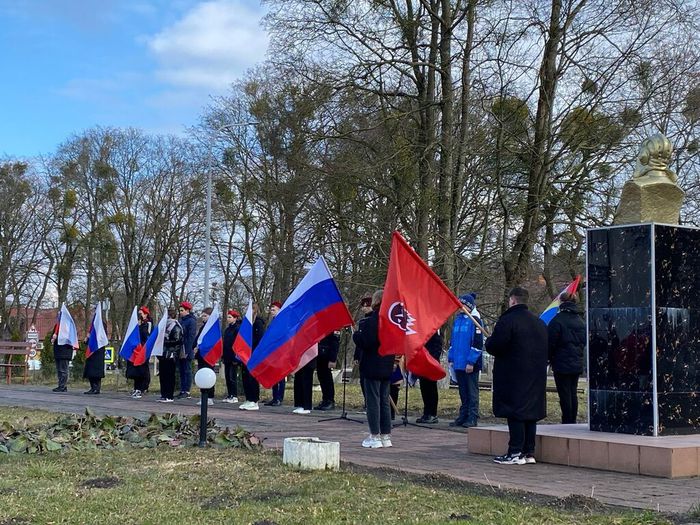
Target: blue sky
68,65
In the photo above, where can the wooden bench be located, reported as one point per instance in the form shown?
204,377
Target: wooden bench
8,349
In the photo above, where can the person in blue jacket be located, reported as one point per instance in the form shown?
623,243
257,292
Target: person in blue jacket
465,356
189,339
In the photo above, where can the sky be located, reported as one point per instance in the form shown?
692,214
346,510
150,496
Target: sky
69,65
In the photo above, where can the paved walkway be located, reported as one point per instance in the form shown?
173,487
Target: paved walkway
417,450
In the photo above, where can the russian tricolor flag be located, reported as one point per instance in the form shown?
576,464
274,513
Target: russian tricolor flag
132,350
67,332
154,343
313,310
97,337
243,344
553,308
209,343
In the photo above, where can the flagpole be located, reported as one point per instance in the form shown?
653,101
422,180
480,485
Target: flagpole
477,323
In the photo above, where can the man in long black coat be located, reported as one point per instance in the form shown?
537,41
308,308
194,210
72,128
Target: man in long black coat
519,345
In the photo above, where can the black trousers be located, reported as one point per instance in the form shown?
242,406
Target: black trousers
567,385
251,387
231,374
429,393
303,387
141,383
522,436
62,372
325,378
378,406
95,384
167,368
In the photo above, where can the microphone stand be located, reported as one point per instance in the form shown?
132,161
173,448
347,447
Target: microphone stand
343,414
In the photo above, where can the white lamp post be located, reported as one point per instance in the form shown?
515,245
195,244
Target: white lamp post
205,378
207,248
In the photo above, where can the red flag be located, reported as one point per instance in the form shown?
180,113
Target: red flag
415,304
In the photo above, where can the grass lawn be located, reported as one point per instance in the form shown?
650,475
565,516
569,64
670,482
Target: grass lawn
448,405
167,485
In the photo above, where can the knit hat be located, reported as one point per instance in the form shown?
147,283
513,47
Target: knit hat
276,303
145,310
234,313
468,299
186,305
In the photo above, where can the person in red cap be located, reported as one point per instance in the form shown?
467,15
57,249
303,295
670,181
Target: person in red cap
189,339
278,389
141,374
231,361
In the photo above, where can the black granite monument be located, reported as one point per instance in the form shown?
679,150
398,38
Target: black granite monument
644,329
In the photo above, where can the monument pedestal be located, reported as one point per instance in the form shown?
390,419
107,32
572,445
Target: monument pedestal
644,329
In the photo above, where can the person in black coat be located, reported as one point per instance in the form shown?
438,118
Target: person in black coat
201,363
567,339
251,387
366,309
62,354
141,374
328,348
376,372
231,362
189,339
94,369
519,345
167,363
428,388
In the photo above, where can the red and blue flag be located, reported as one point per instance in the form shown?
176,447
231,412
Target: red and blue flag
243,345
209,343
313,310
97,337
553,308
132,350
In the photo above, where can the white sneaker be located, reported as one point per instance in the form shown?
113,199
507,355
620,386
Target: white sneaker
386,440
231,399
137,394
210,402
165,400
301,410
249,405
372,441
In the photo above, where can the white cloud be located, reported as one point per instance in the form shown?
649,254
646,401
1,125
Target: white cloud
210,46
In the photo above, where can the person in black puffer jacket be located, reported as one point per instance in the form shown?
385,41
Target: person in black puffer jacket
567,339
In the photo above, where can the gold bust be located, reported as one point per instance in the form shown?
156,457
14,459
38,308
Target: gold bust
653,159
651,195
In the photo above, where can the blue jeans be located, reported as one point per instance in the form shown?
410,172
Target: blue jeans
185,366
469,396
278,390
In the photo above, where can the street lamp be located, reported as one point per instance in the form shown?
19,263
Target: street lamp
207,248
205,378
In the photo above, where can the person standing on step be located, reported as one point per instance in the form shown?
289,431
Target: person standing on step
278,388
376,370
567,340
189,338
325,362
231,362
167,363
429,388
519,346
465,356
